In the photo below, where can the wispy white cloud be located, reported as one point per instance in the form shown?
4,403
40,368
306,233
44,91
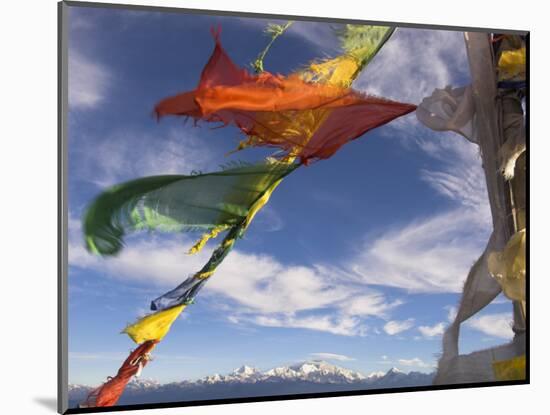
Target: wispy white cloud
129,153
437,329
428,255
495,325
158,263
408,68
461,179
415,362
342,325
434,253
331,356
369,303
122,153
413,62
259,289
88,81
261,283
432,331
395,327
79,22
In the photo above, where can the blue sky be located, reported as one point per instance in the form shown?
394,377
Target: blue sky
359,259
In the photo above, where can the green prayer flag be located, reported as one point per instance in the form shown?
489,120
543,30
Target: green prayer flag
176,203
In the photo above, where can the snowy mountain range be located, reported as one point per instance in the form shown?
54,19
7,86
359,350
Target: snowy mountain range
316,371
306,377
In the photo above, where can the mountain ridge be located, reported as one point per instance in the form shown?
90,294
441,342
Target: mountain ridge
305,377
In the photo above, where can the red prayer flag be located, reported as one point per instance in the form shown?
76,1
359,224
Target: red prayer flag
109,393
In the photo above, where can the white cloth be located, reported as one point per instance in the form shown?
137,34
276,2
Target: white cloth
450,109
478,366
479,290
513,130
472,111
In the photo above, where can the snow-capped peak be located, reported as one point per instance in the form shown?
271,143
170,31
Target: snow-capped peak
315,371
394,370
215,378
142,383
243,374
245,370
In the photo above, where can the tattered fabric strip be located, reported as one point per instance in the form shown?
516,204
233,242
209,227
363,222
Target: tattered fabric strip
185,292
231,95
182,294
177,203
513,131
293,130
512,149
360,43
109,393
273,30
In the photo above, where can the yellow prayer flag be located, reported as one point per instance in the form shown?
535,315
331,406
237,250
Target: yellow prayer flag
511,369
512,63
154,326
508,266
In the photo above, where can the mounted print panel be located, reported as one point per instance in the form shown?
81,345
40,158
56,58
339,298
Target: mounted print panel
262,207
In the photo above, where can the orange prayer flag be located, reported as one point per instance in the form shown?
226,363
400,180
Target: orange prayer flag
255,103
